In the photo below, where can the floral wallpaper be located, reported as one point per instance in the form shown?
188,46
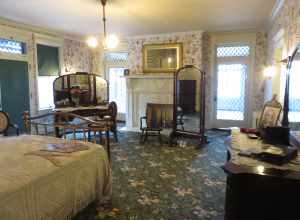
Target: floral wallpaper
192,48
287,19
258,90
206,65
77,56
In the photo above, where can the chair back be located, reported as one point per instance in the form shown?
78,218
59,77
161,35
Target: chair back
4,122
113,110
158,115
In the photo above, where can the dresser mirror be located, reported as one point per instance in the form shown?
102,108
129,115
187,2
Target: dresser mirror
80,89
291,113
162,58
189,103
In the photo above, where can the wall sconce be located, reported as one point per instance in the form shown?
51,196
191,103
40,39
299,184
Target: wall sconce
270,71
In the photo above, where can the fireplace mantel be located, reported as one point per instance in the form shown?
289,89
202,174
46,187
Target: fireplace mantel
150,76
143,89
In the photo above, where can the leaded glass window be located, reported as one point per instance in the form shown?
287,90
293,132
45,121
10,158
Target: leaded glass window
12,46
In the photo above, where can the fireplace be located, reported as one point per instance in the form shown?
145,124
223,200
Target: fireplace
143,89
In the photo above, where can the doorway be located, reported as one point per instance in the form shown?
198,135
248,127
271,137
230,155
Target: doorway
231,86
14,90
117,90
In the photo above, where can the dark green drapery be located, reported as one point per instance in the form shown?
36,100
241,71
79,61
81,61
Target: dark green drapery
48,60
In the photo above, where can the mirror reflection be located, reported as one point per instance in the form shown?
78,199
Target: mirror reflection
80,89
188,100
294,92
162,58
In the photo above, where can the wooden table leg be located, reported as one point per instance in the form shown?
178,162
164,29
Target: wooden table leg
56,129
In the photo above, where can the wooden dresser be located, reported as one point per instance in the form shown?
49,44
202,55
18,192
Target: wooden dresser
259,190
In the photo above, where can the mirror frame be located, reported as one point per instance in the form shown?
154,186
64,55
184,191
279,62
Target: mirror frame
71,104
200,136
285,118
179,52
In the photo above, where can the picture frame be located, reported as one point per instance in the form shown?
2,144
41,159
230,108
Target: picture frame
270,114
162,58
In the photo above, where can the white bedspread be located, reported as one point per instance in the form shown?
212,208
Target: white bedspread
33,188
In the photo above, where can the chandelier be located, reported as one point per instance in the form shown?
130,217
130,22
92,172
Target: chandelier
109,41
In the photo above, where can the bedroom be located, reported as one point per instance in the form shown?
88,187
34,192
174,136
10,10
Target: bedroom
213,67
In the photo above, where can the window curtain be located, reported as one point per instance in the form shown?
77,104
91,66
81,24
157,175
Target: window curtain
48,60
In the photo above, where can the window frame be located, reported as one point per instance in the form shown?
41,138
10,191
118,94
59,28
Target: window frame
53,42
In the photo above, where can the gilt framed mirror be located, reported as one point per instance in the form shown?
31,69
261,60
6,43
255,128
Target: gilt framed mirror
162,58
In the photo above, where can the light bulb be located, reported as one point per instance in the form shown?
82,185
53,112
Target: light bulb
111,42
92,42
270,72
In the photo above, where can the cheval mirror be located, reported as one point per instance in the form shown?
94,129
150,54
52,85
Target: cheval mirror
189,105
291,111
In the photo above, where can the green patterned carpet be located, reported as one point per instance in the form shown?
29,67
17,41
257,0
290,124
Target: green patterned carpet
156,182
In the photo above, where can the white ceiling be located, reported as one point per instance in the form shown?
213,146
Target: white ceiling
139,17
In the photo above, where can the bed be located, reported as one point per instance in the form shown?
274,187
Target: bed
33,187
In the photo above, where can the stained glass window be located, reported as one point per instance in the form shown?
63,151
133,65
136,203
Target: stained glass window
11,46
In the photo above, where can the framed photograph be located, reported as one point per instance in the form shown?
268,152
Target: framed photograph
270,114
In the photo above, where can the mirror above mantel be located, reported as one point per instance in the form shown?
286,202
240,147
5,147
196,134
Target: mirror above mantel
162,58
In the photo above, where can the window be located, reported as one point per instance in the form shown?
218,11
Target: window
233,51
48,70
11,46
116,57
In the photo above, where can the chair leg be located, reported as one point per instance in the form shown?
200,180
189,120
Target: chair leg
108,144
100,137
116,135
17,131
142,136
145,136
89,135
159,137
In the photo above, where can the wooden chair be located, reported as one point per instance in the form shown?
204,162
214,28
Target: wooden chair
157,117
113,112
5,124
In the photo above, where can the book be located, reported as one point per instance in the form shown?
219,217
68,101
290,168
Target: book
67,147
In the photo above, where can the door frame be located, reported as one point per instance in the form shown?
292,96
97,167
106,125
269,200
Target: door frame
120,116
232,123
242,38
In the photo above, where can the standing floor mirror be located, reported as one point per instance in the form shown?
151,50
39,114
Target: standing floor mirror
189,105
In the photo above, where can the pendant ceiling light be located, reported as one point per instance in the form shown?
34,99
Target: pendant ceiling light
110,41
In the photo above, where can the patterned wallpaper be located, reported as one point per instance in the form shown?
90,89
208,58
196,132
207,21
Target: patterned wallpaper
77,56
193,53
192,48
288,20
258,90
